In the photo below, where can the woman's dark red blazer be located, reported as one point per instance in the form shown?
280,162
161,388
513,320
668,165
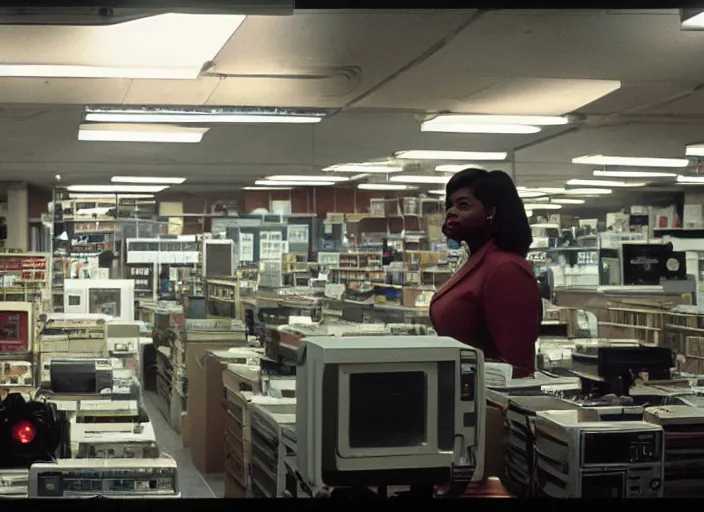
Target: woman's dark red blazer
492,303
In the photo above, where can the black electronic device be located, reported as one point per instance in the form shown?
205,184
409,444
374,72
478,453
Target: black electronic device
80,376
619,367
645,264
31,432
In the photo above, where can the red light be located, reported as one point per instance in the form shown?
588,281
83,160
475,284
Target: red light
24,432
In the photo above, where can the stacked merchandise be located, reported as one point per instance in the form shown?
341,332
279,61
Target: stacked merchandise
520,442
269,417
684,451
123,349
17,332
241,383
70,337
172,334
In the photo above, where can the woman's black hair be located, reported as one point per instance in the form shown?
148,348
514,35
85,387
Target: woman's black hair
509,229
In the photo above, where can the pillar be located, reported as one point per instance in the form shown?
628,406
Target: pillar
17,219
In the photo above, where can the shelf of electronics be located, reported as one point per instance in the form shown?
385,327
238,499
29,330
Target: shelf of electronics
82,369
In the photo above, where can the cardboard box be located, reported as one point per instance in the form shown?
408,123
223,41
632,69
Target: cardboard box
205,364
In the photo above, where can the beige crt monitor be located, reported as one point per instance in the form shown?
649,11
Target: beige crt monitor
389,410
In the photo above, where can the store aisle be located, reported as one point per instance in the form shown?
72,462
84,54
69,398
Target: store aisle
193,483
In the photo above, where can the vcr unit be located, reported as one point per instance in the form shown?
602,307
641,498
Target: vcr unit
597,459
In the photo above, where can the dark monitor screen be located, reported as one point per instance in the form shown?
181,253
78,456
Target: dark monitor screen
73,377
387,409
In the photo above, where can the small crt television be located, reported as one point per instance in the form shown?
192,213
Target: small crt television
389,410
16,328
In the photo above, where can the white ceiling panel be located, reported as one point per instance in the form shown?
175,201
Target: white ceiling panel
170,92
67,91
385,70
308,44
327,90
579,44
532,96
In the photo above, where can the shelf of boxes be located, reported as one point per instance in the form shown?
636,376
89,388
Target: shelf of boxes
24,277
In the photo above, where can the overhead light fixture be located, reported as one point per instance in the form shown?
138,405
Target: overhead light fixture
267,188
451,168
628,161
144,133
531,193
142,179
293,183
78,195
62,71
412,178
695,150
541,206
568,201
689,180
603,183
587,191
117,189
364,168
437,192
460,123
691,19
634,174
175,115
162,47
293,177
420,154
545,190
382,186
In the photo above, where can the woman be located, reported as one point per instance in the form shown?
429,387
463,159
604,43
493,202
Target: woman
492,302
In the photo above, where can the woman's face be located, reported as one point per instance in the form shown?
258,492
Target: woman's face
466,217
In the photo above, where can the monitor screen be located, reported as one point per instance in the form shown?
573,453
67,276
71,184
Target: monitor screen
14,331
73,377
105,301
387,410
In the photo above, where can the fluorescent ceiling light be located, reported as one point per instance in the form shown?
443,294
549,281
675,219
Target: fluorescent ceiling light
143,133
531,193
630,161
603,183
453,168
431,126
587,191
306,178
459,123
165,46
695,150
364,168
690,179
411,178
267,188
421,154
550,190
117,189
542,206
266,183
437,192
211,115
692,19
634,174
381,186
62,71
78,195
142,179
568,201
500,120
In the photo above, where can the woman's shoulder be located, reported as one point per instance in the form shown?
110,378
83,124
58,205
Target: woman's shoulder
499,258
